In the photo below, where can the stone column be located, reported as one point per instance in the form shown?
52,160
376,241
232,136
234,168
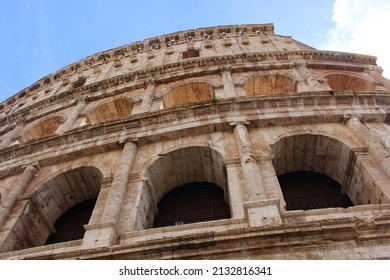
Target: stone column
72,118
147,98
105,232
228,85
251,172
118,188
374,142
11,136
307,76
8,201
140,207
258,209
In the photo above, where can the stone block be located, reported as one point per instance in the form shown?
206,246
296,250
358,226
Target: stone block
100,235
262,213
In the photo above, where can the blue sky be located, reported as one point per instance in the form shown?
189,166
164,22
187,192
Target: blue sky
41,36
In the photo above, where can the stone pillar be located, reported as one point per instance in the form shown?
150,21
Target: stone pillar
72,118
228,85
140,207
374,142
307,76
251,172
235,187
147,98
376,73
118,188
270,179
11,136
105,232
8,202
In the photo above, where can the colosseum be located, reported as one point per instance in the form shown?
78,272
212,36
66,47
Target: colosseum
228,142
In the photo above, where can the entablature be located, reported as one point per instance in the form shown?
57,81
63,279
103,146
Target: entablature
204,118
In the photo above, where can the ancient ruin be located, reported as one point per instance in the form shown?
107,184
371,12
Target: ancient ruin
228,142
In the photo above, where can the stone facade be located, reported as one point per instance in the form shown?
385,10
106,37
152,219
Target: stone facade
236,106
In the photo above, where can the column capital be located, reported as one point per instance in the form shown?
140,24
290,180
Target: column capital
232,160
352,115
21,121
225,69
151,81
300,65
372,69
243,123
81,99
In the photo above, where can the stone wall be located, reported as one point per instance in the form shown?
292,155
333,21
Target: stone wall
236,106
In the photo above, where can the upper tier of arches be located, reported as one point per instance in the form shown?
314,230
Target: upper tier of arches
192,92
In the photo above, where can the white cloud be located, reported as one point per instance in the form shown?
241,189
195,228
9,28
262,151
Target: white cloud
362,26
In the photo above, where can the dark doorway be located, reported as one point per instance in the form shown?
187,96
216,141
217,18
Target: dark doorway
192,203
70,226
305,190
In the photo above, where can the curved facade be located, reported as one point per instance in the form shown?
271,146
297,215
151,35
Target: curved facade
232,108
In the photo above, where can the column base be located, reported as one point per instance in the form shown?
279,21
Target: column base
264,212
100,235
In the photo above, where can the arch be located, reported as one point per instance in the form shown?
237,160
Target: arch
311,152
306,190
192,203
66,190
41,129
334,131
70,226
110,110
320,154
54,198
269,84
344,81
188,93
181,167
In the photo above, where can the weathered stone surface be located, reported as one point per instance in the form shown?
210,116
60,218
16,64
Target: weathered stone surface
236,106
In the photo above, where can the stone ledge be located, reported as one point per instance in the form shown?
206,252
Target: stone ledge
301,239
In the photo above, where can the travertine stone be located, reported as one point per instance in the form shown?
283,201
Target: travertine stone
228,85
263,213
234,106
147,98
374,142
16,191
11,136
252,177
72,118
119,184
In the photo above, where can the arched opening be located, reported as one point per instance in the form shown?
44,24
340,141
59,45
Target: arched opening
192,203
70,226
306,190
187,94
50,202
67,190
269,84
42,129
329,158
349,82
109,111
195,174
